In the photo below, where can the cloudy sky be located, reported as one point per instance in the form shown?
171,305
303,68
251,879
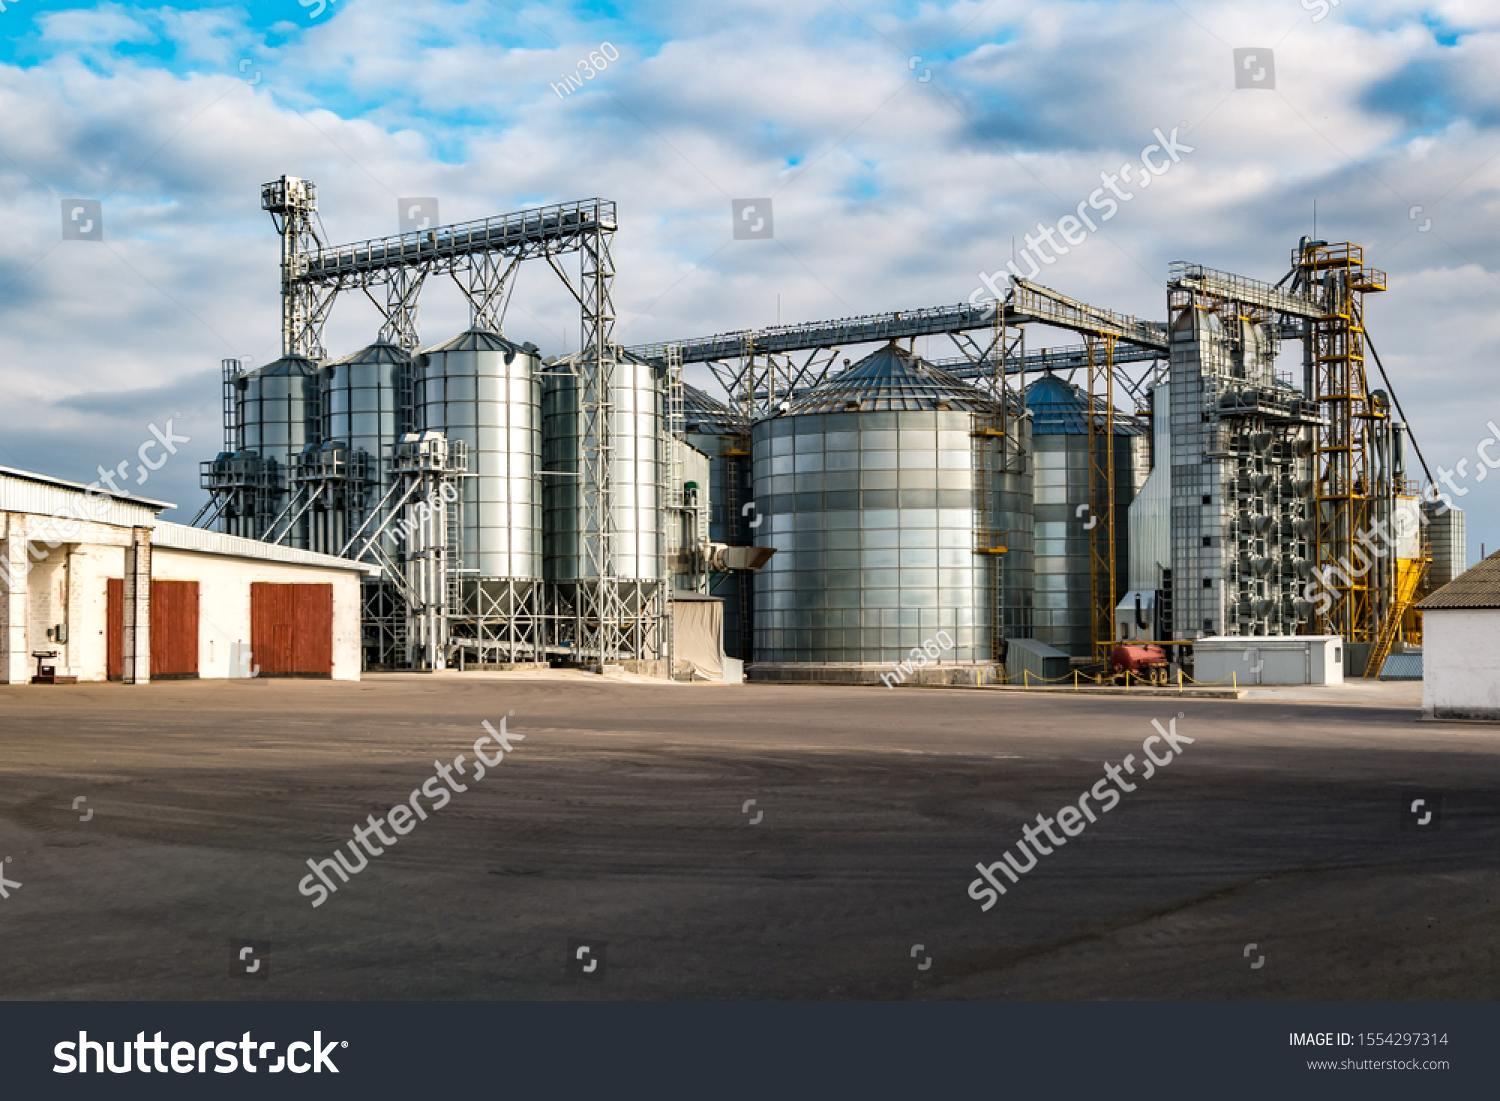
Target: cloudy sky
905,147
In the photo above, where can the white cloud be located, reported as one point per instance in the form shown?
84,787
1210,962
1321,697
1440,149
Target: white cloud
901,191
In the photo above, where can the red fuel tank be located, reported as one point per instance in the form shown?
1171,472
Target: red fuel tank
1135,657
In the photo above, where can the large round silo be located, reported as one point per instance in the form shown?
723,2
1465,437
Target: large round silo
1064,603
721,434
361,403
637,475
277,410
483,389
887,492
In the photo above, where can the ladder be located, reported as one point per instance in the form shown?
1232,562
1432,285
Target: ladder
988,430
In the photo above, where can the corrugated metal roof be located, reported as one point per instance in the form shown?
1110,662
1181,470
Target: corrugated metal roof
182,537
892,379
1407,666
706,415
379,352
1058,408
476,340
287,365
1476,587
67,502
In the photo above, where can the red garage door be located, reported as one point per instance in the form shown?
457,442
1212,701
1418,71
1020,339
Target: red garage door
174,628
291,629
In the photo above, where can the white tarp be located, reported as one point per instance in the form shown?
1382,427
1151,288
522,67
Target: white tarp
698,636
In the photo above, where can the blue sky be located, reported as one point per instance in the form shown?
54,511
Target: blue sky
890,190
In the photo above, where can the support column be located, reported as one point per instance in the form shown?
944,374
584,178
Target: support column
14,600
137,649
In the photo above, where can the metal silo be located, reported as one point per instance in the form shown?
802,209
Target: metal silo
483,389
637,476
366,406
1064,601
277,410
898,499
720,433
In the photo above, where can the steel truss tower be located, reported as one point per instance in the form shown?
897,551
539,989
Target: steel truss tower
481,257
1355,489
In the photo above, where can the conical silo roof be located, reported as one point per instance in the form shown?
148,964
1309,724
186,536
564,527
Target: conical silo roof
478,340
1058,408
382,351
287,366
892,379
706,415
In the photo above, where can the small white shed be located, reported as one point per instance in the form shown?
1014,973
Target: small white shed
1460,645
1269,659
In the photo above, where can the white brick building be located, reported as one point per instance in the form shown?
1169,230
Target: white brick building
80,569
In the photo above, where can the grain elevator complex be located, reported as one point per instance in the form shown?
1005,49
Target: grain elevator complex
825,516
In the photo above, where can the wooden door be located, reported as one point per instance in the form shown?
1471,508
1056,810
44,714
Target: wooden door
114,628
291,629
174,628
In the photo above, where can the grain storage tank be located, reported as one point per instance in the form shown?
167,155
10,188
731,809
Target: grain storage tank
483,389
1059,435
720,433
887,492
638,474
363,399
277,409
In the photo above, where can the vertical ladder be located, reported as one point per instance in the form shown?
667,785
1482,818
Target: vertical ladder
987,430
676,428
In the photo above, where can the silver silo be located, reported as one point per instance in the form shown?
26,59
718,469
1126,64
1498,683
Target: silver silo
721,434
637,473
483,389
365,405
887,492
277,410
1059,436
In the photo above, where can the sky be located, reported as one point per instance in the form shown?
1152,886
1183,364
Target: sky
906,147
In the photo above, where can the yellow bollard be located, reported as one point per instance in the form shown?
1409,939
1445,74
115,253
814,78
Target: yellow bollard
1075,680
1179,681
1025,678
1235,677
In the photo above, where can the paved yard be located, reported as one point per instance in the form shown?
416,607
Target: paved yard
620,821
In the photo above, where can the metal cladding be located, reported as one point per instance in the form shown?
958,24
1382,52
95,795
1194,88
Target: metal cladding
483,389
1243,526
1064,581
362,401
717,431
637,473
871,487
363,407
277,410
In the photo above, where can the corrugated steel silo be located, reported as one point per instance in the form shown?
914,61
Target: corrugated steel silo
637,473
1059,432
365,405
483,389
882,490
277,410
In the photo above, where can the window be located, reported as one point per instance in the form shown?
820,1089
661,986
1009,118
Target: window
1208,582
1208,541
